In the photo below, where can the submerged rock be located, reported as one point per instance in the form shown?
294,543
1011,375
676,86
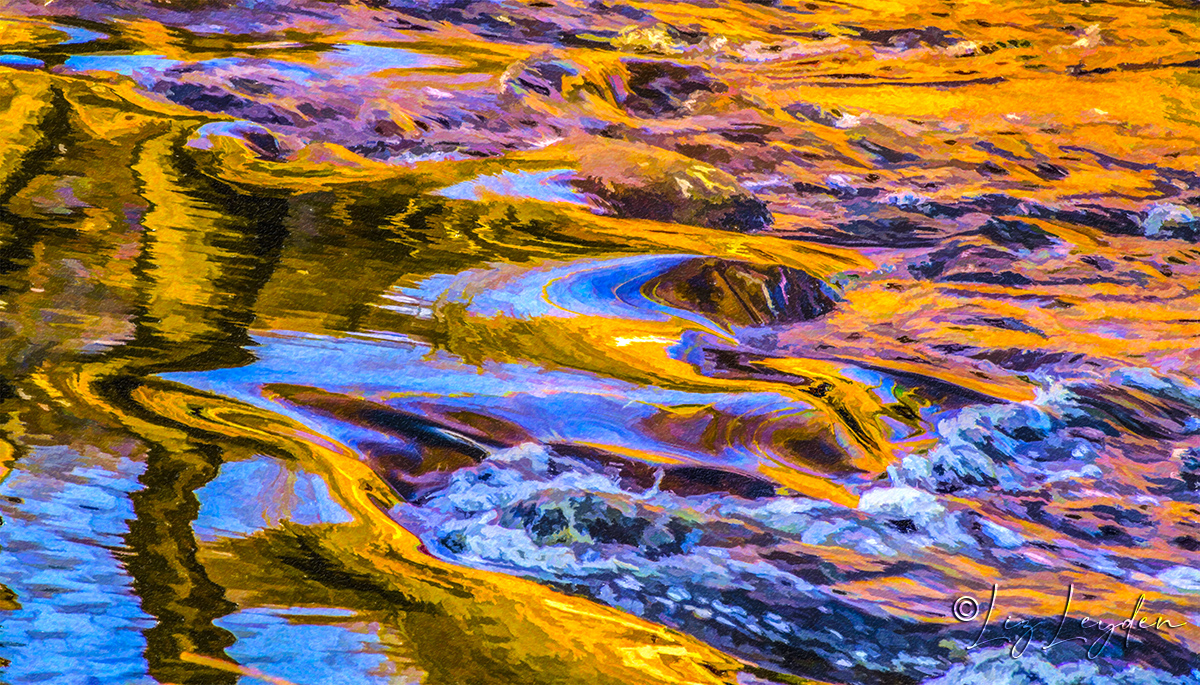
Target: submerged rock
645,183
1016,233
727,570
660,38
998,665
259,139
1066,434
660,88
544,76
1170,221
909,38
741,294
1189,466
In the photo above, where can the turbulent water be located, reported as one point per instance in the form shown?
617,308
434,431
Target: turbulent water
465,341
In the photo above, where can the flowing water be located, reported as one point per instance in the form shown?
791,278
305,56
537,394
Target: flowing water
647,342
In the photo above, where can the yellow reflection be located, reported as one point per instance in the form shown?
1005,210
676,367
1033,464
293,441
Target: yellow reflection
521,628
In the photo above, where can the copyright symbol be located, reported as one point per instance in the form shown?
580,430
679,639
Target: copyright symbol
965,608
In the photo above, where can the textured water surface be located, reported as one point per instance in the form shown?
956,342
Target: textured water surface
607,342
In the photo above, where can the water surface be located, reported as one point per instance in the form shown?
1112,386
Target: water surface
668,343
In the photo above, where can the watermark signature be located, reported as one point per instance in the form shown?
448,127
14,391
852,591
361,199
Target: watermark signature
1020,632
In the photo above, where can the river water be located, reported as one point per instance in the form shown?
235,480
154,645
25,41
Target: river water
649,342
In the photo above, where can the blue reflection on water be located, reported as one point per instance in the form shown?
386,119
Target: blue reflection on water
126,65
552,185
570,406
79,621
21,62
280,69
314,646
360,60
78,36
341,61
249,496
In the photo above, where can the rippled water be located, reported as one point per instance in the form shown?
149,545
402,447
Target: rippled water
475,342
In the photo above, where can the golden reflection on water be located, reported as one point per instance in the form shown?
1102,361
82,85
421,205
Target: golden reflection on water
134,244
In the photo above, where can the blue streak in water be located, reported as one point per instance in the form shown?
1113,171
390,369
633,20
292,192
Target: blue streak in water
77,36
126,65
315,646
20,62
361,60
249,496
552,185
